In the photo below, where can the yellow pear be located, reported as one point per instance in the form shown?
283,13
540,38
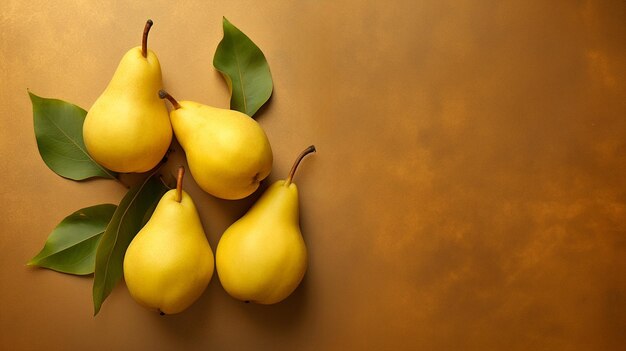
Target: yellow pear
227,151
128,128
262,256
169,263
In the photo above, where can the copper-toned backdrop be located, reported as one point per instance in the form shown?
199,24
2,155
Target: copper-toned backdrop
469,190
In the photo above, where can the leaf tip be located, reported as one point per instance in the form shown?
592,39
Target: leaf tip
34,261
96,307
31,95
226,23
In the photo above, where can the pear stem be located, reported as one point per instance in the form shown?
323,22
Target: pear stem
307,151
165,95
179,184
144,39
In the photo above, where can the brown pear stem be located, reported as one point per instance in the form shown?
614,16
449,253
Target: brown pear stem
165,95
307,151
144,39
179,184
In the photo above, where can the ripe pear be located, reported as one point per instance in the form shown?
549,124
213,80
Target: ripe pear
262,256
128,128
169,263
227,151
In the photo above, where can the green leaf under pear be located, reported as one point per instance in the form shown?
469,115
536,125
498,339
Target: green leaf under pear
59,133
130,216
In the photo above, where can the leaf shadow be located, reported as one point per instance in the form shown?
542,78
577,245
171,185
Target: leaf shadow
263,110
35,269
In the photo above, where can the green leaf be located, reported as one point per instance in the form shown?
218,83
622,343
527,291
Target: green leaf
245,69
130,216
59,133
71,247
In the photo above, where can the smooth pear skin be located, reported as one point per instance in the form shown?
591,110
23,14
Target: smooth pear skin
262,257
169,263
227,151
128,128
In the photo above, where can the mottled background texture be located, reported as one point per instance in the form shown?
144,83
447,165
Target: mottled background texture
469,190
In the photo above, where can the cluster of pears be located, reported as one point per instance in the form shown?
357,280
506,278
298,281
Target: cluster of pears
261,257
128,129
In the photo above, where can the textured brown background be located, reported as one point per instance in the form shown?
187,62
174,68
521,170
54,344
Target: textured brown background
469,192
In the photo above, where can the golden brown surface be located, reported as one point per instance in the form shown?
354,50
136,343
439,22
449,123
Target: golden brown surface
469,190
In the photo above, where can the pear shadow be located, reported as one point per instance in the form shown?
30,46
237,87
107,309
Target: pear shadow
193,322
285,315
235,209
280,317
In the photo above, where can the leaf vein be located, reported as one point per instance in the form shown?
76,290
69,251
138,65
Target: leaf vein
69,246
243,89
51,120
122,217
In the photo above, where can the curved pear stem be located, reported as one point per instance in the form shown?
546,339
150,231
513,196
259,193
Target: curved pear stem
144,39
165,95
307,151
179,184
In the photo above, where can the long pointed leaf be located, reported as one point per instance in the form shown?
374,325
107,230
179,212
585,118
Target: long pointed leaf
132,213
71,247
245,69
